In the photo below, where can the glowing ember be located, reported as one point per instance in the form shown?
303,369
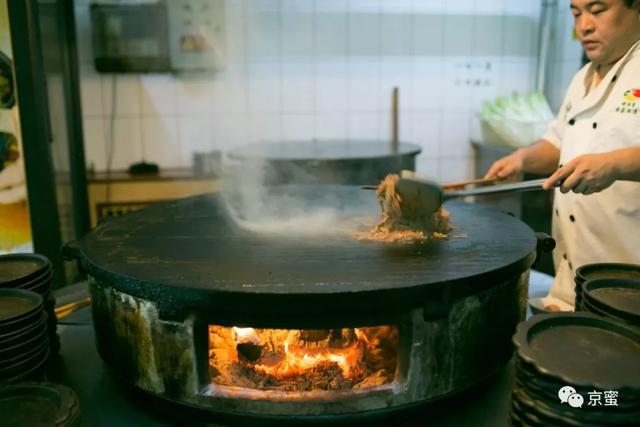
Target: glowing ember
296,361
246,335
302,360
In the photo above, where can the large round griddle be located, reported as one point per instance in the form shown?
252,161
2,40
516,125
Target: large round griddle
190,253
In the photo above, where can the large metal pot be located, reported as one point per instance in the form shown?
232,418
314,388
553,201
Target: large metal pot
356,162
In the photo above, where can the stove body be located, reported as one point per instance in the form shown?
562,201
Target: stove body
164,278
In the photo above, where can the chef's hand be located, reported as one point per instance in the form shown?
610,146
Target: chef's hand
586,174
508,167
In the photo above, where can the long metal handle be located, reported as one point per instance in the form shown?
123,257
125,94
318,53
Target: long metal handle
535,184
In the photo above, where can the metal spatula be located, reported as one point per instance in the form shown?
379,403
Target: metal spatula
422,197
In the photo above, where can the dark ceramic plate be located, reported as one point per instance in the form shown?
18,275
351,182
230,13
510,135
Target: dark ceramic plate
607,271
581,349
57,404
18,308
618,297
547,413
18,336
24,347
24,366
17,269
40,284
35,349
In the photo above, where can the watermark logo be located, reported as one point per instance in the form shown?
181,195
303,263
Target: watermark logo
596,398
565,392
576,400
570,396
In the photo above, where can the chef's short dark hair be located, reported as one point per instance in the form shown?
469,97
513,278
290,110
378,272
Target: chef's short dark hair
629,3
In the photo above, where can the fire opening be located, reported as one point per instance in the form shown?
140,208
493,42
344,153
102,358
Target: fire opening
303,360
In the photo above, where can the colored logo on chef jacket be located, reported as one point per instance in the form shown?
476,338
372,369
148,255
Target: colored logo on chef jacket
632,95
630,103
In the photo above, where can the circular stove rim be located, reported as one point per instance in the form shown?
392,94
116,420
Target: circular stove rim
363,296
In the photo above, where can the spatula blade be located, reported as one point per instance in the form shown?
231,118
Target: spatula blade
420,198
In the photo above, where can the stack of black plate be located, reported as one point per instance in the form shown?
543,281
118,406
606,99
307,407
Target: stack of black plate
618,299
603,271
39,404
32,272
24,339
576,369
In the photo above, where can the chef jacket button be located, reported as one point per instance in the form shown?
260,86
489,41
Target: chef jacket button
572,122
614,79
557,214
572,218
570,266
564,256
595,125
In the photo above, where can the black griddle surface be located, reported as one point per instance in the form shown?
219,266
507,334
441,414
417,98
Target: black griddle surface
192,244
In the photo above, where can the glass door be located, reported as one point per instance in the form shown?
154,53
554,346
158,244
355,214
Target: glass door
44,47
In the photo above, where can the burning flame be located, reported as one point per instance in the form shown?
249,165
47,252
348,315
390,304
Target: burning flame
297,360
294,360
245,335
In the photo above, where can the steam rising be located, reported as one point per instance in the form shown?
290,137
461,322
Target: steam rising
263,199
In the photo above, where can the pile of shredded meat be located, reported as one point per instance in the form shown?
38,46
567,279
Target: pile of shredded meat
394,228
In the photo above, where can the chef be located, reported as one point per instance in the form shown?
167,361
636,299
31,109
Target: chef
592,148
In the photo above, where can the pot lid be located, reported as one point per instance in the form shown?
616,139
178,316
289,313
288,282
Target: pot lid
322,150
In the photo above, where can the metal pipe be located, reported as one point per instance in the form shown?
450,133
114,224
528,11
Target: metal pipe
546,27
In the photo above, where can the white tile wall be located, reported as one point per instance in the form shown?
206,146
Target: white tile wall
158,95
302,69
566,57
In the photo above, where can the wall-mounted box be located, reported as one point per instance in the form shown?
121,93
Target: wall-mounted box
196,34
130,37
148,36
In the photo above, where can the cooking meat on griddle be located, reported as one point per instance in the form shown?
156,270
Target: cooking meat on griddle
394,228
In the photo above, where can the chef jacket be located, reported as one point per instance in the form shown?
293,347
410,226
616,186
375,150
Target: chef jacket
604,226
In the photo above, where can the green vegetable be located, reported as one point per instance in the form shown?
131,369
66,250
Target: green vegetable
532,107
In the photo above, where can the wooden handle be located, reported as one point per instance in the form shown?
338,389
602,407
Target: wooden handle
394,120
67,309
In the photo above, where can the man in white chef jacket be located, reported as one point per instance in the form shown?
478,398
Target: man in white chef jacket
593,148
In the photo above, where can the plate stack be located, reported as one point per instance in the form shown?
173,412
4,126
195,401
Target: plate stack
617,299
32,272
575,369
38,404
24,339
602,271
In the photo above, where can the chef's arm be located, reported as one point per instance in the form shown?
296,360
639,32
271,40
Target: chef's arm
626,164
540,158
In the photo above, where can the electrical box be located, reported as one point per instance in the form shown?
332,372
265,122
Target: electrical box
196,34
156,36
